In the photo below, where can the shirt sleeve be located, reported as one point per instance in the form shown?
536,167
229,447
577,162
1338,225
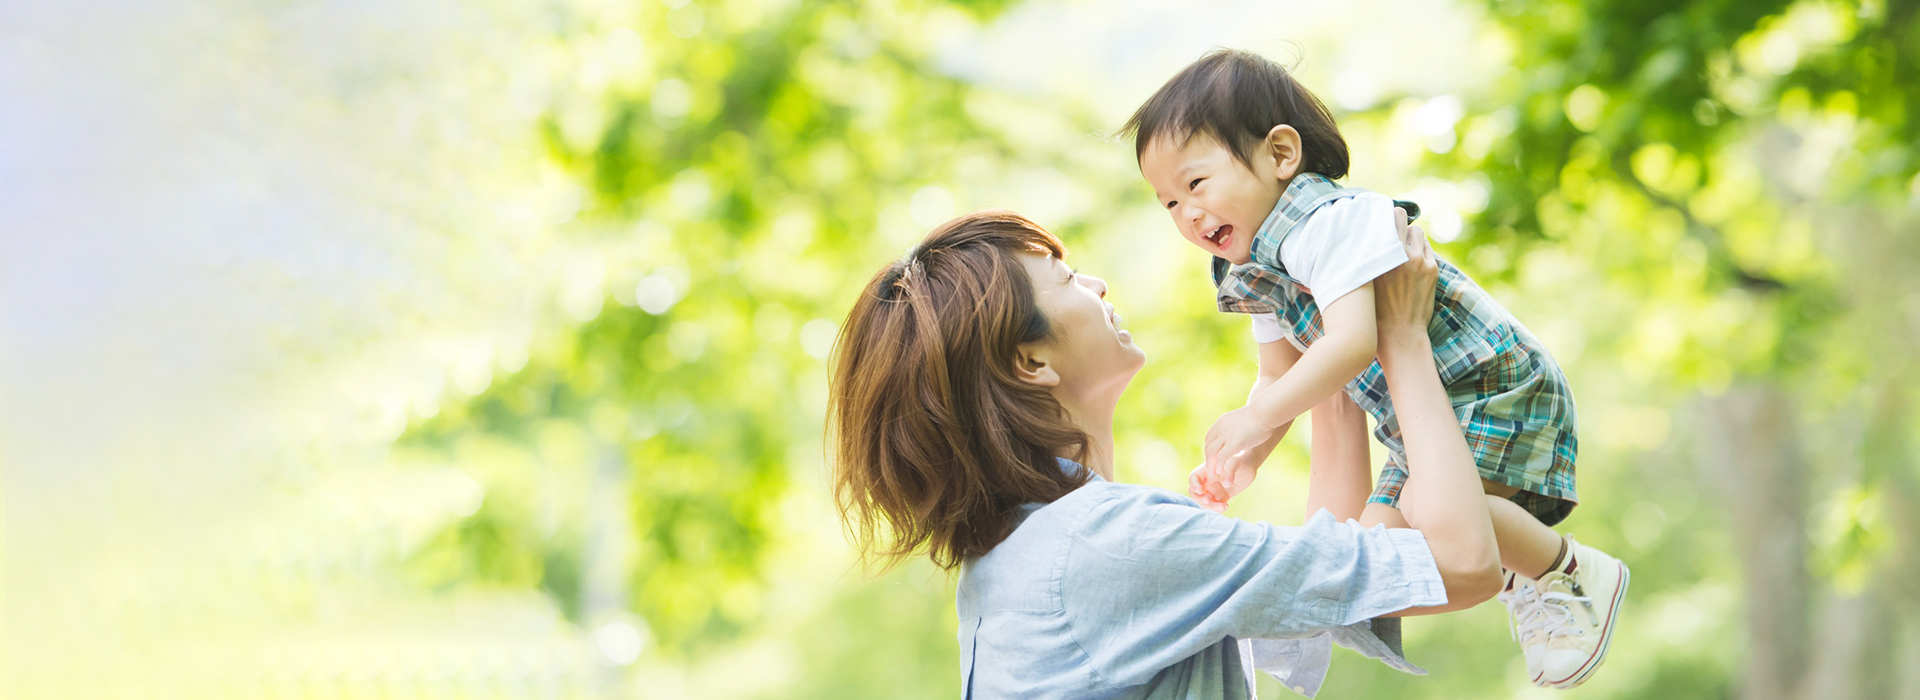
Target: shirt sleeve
1158,582
1344,245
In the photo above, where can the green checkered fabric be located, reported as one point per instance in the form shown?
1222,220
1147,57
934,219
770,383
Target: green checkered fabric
1514,404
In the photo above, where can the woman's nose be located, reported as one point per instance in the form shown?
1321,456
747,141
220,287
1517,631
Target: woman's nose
1099,286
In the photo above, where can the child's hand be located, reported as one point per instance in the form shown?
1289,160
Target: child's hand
1234,451
1214,495
1200,487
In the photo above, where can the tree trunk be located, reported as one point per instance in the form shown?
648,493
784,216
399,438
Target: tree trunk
1749,450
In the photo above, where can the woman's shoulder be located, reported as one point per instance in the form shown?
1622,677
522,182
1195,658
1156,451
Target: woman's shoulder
1101,503
1100,510
1100,516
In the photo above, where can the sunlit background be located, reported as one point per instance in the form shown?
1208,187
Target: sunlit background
422,348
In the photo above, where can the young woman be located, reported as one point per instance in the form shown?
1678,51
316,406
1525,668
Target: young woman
972,420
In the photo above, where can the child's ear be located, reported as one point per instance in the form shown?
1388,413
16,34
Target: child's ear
1030,365
1283,143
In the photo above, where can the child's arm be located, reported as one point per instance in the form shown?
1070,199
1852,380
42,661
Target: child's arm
1275,359
1341,353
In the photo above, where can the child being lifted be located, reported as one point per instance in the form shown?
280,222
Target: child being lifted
1244,159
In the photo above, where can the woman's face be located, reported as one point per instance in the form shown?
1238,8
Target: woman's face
1089,354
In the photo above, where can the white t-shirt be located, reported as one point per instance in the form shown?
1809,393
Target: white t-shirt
1341,246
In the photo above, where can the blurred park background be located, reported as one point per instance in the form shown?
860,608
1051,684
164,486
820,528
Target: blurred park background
438,349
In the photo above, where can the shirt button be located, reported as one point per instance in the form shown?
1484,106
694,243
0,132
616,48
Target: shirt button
1301,689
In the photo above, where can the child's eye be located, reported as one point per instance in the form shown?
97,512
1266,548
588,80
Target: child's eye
1195,183
1170,204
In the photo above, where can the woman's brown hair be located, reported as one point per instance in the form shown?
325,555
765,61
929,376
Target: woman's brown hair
934,439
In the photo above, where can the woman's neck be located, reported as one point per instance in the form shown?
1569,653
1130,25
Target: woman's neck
1095,418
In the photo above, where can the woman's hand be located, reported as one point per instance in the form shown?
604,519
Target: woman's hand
1403,297
1443,497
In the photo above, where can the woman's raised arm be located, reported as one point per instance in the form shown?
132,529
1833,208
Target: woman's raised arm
1443,498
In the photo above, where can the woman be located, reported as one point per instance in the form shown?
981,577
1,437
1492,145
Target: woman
972,419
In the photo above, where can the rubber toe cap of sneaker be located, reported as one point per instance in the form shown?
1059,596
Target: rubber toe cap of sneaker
1559,666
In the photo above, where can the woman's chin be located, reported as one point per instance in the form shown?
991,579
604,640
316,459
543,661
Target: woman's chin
1139,354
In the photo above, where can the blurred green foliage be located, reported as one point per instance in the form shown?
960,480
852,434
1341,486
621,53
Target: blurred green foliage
753,171
1683,198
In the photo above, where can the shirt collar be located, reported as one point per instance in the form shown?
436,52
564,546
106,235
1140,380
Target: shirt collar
1293,206
1071,467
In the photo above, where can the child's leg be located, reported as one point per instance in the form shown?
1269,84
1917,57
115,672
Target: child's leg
1527,546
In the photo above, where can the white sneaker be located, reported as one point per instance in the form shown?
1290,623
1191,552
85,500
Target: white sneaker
1526,619
1576,613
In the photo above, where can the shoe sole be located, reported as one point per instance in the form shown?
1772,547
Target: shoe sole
1606,639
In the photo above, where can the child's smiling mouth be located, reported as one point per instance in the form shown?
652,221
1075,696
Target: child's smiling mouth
1219,236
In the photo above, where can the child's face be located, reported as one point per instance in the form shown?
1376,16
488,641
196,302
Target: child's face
1216,202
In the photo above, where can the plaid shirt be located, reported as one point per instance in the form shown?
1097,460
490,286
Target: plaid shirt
1514,404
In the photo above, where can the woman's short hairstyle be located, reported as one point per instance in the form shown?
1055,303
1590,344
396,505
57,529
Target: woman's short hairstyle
1235,97
934,440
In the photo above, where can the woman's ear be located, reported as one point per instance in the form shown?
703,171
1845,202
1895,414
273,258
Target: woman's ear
1283,143
1030,365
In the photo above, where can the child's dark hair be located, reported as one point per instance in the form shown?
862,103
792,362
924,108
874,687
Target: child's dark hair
1236,97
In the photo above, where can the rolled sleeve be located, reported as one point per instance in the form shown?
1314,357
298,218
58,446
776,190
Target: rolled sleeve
1160,581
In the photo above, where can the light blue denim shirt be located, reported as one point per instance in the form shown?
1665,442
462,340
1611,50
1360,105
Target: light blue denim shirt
1126,591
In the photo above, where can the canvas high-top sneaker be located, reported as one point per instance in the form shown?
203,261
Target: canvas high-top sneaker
1577,606
1526,619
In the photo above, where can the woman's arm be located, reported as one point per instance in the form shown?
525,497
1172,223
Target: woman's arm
1443,498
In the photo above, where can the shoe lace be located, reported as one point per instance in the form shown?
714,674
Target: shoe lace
1526,611
1557,605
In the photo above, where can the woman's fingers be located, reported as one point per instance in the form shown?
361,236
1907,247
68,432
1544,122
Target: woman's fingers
1404,295
1400,225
